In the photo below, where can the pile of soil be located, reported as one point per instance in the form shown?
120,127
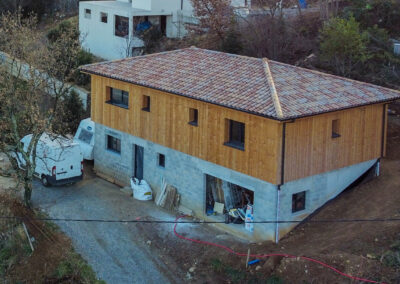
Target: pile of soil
50,247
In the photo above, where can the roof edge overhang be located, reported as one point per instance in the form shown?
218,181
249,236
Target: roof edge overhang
279,119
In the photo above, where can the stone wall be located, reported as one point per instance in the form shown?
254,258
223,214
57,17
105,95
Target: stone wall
188,173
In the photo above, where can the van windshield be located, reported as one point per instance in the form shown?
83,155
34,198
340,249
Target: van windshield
85,136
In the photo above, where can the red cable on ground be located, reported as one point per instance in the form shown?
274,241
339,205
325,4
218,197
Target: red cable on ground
269,255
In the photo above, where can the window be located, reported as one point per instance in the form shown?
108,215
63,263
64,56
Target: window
113,144
163,25
298,201
85,136
88,13
335,128
146,103
234,136
161,160
193,116
121,26
118,97
104,17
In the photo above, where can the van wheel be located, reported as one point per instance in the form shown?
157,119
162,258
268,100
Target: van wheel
45,181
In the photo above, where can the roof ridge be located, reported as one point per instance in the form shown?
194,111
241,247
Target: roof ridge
335,76
274,93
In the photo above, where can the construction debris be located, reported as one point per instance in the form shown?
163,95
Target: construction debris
168,198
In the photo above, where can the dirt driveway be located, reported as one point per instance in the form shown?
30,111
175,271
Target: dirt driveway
118,252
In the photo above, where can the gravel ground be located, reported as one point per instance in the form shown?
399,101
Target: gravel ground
116,251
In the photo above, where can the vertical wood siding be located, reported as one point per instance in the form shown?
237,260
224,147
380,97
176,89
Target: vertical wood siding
310,148
167,124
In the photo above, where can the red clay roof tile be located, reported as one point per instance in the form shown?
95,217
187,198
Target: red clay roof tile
241,82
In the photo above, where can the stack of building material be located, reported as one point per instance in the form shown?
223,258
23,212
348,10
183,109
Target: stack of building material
168,198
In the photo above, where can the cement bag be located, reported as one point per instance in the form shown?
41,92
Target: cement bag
141,189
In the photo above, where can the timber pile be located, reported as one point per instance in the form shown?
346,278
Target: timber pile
168,198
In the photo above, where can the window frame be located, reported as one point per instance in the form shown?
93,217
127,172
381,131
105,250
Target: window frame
121,33
161,160
102,15
121,102
88,13
335,126
146,103
193,116
114,141
230,140
296,199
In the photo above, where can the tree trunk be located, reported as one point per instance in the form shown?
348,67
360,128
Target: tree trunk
28,192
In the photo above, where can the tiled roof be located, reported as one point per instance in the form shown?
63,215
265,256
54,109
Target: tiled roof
259,86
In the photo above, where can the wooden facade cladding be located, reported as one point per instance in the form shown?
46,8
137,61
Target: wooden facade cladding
167,124
310,148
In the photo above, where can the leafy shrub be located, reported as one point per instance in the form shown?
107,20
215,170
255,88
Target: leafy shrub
55,33
84,58
343,46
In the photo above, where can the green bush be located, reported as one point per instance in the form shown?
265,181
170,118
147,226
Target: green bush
84,58
343,46
55,33
76,268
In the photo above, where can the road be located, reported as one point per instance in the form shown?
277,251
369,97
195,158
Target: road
116,251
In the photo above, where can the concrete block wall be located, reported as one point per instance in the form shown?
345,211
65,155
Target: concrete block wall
187,174
319,190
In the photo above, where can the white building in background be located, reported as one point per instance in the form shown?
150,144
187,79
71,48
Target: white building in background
108,27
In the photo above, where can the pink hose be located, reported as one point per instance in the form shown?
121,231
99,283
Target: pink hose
270,254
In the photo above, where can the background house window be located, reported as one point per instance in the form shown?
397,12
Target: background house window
335,128
121,26
234,134
113,144
298,201
103,17
161,160
88,13
146,103
119,98
193,116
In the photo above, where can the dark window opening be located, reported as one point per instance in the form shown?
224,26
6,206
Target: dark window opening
118,97
104,17
161,160
235,132
146,103
193,116
113,144
335,128
163,25
121,26
298,201
88,13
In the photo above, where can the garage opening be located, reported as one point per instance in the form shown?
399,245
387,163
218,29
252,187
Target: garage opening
228,201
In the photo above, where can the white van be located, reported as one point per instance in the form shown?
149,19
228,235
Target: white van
85,137
58,160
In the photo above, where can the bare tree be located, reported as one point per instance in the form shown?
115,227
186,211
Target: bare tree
35,68
215,20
